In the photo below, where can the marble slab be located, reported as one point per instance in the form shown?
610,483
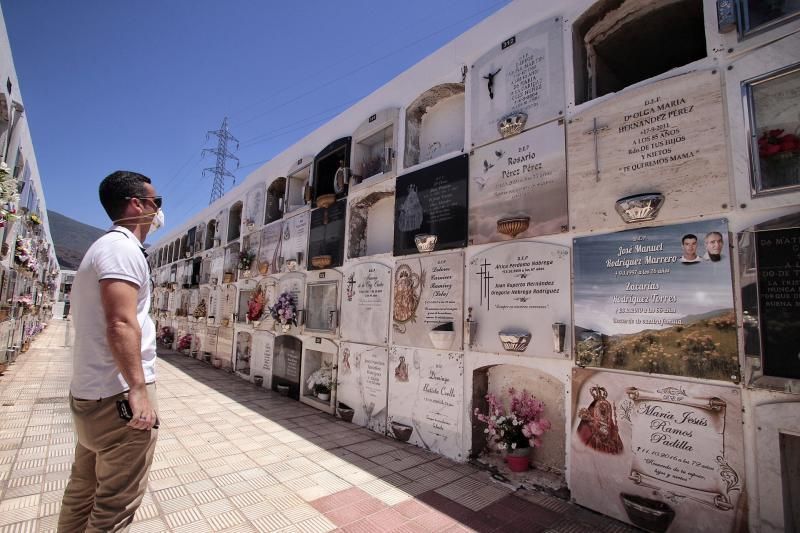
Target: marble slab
426,396
362,385
518,186
522,74
366,301
521,288
428,293
658,453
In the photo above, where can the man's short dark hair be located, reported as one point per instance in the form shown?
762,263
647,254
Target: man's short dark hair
116,187
688,236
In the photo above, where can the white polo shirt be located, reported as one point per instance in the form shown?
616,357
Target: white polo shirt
116,255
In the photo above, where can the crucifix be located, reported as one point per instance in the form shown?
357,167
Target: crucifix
485,276
594,131
490,84
350,282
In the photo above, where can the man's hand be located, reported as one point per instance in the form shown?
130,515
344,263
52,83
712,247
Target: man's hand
144,416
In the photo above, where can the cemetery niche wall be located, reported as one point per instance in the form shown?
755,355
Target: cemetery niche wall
430,210
518,84
365,303
659,454
657,300
519,300
326,239
362,385
667,139
426,399
518,186
428,301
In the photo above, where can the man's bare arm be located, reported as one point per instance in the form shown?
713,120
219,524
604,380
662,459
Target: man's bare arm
119,298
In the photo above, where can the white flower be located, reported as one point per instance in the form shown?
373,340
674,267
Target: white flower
513,445
486,430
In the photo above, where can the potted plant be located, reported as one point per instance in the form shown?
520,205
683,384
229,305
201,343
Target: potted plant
284,312
320,381
515,430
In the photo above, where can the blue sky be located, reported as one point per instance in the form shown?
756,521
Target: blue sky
136,85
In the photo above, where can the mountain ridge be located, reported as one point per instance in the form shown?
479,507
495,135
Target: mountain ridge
71,239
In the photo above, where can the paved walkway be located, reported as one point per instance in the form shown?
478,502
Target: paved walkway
232,457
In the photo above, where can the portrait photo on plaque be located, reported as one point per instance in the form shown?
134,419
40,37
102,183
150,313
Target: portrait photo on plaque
661,454
518,187
520,81
430,210
657,300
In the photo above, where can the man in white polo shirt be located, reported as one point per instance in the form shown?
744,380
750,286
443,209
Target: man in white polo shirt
114,358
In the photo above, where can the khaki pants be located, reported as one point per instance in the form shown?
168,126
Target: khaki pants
109,476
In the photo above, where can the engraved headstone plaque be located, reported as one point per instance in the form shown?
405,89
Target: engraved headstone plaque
263,344
523,74
365,303
432,201
294,242
428,301
778,266
426,395
363,385
518,186
521,288
667,137
286,365
668,453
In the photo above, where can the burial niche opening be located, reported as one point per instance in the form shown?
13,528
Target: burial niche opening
332,172
371,221
235,221
275,200
210,233
549,460
620,43
435,124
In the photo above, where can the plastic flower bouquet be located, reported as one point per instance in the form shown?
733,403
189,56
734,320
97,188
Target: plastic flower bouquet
185,342
320,381
521,426
284,312
255,305
246,259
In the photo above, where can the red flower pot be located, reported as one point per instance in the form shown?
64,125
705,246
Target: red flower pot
518,463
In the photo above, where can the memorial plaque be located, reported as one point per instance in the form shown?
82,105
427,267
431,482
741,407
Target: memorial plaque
778,265
286,364
294,243
269,249
428,301
523,74
432,201
210,342
363,385
224,350
263,343
327,233
667,137
657,300
365,304
426,399
254,207
521,289
217,265
657,453
518,187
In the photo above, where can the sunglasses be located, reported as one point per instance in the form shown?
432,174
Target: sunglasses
156,199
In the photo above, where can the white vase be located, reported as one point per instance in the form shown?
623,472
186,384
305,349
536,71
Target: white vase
324,396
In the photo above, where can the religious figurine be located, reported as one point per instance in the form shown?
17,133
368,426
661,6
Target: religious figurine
341,178
410,216
490,83
407,289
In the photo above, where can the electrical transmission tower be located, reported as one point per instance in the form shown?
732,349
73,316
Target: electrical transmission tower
223,154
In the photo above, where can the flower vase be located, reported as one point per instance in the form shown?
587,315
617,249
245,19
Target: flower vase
519,460
324,396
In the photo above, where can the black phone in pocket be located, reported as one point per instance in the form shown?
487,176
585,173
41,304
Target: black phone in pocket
126,413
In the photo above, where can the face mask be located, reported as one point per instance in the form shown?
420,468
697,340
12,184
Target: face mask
157,222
